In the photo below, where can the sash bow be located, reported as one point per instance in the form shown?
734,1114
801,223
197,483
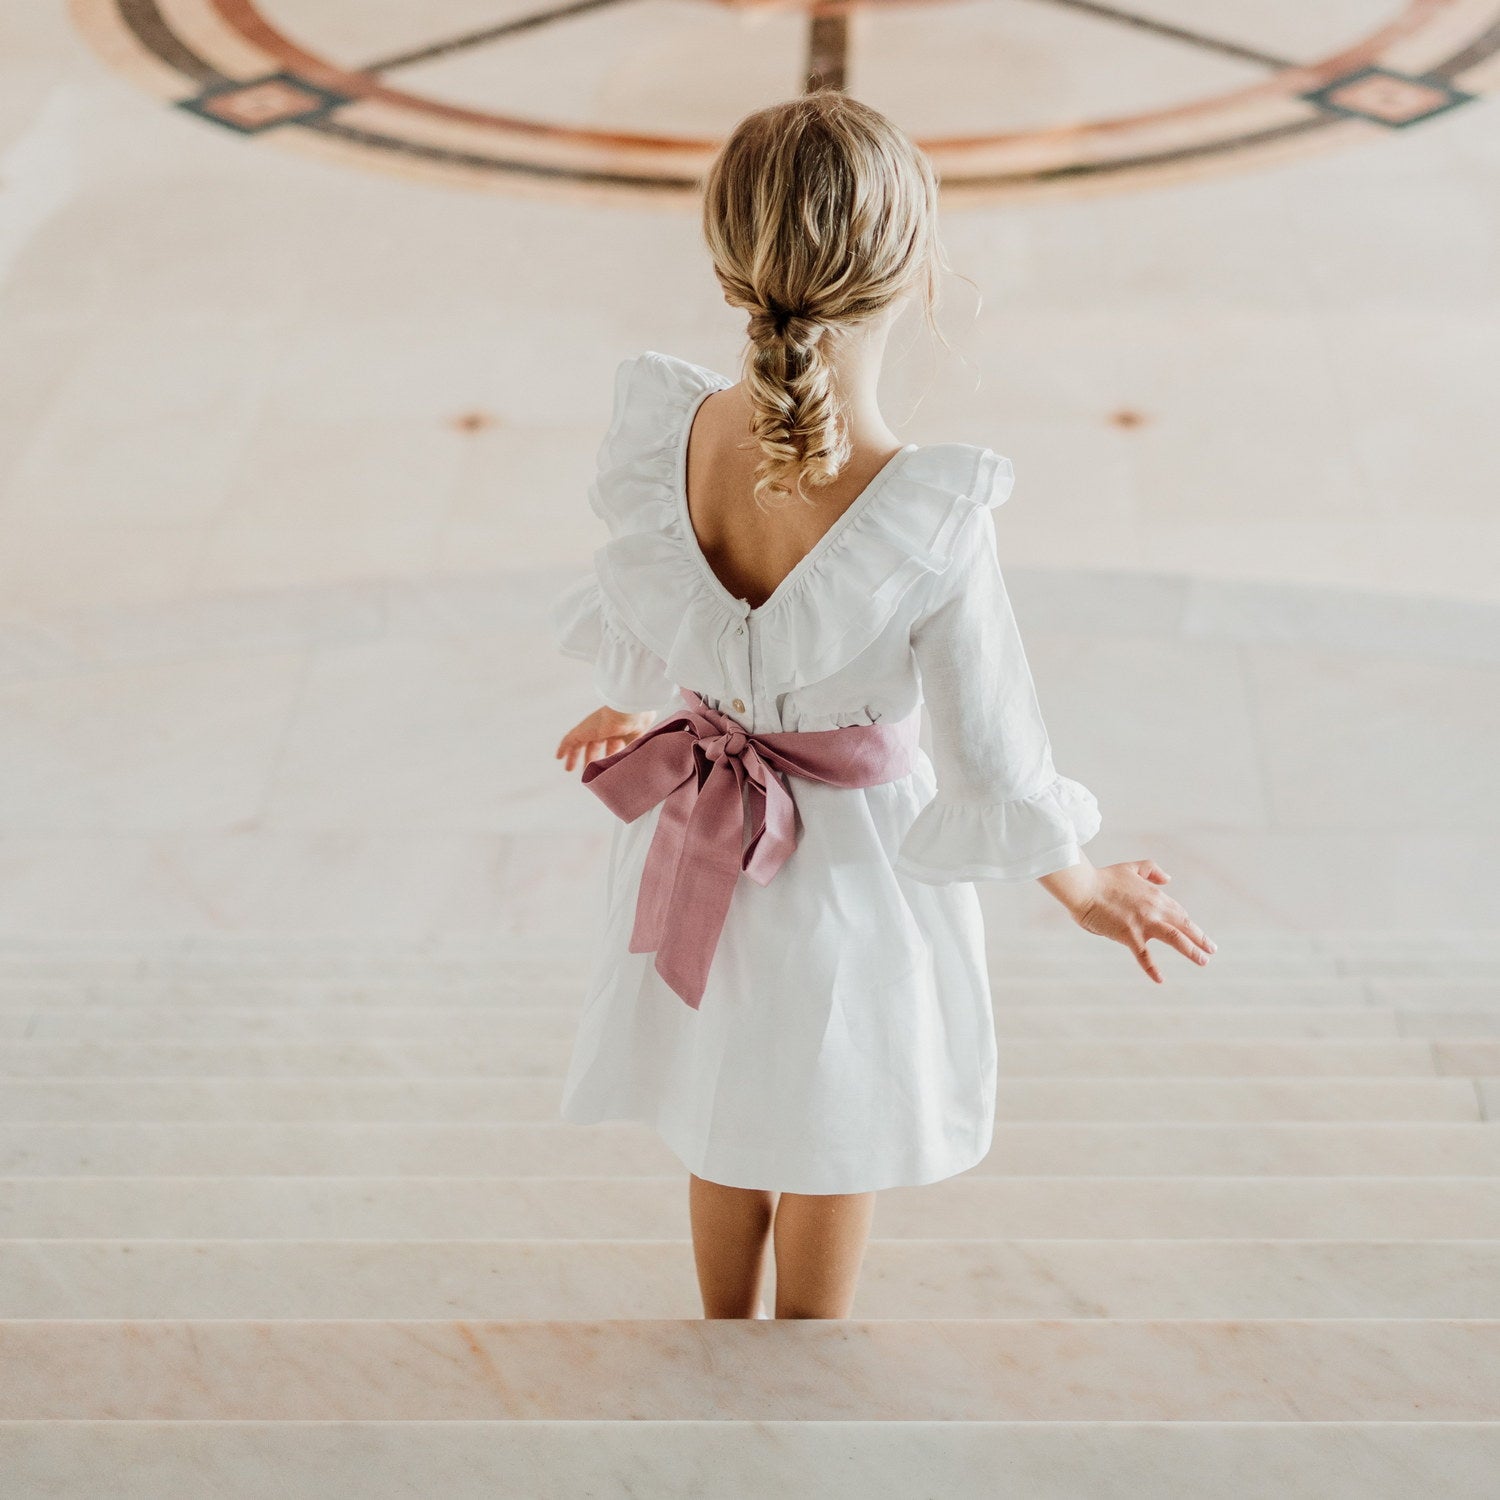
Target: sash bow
717,783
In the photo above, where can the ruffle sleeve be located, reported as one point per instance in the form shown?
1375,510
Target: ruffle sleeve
1001,810
626,675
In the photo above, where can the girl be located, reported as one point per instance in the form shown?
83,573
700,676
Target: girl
792,986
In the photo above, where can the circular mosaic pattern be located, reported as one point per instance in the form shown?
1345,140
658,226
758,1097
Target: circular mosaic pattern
1177,90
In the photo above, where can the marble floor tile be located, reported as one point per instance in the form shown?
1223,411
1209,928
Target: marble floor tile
247,554
141,744
1343,620
42,348
49,564
1331,758
1210,379
1199,738
1056,68
539,73
438,747
381,28
60,643
1249,243
157,409
1400,276
321,881
502,518
342,475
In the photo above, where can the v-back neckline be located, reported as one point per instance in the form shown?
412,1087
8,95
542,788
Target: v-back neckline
741,606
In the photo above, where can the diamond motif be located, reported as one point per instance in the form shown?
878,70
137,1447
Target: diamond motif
1387,98
258,104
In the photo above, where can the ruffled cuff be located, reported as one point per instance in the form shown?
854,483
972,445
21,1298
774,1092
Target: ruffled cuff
1023,839
627,677
577,620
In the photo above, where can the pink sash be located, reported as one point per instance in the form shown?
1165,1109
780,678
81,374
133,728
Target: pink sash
697,764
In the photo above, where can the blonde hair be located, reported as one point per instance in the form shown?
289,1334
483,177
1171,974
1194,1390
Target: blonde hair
818,213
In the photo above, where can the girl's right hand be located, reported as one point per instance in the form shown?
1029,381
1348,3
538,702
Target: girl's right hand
605,731
1123,902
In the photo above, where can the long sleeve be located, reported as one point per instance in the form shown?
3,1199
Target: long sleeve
1001,811
626,675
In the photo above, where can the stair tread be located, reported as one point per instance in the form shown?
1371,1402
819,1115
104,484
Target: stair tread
1408,1148
940,1277
697,1369
546,1055
156,1100
500,1460
595,1206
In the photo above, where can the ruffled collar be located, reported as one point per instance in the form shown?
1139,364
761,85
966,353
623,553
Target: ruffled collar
901,528
848,517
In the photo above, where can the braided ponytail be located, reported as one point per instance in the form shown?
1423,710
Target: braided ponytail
795,413
818,214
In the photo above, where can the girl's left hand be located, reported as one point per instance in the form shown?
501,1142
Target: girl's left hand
602,733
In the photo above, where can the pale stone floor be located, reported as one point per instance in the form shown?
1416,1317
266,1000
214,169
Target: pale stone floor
291,457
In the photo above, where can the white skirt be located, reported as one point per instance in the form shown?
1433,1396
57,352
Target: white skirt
845,1041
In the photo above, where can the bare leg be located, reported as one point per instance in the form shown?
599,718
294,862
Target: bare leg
820,1241
731,1228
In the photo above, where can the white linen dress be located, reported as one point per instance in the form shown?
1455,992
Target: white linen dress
845,1041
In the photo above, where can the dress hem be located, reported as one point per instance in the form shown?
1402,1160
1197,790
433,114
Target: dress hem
924,1180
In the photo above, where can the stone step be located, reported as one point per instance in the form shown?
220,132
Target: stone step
1364,1026
77,1100
968,1206
1060,948
1097,961
506,988
514,985
339,1021
1062,943
1408,1149
1027,1460
1230,1018
814,1370
521,1054
1429,994
505,991
1449,1024
562,1279
1068,1032
41,1022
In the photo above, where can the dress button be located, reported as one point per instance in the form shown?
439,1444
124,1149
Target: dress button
739,705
